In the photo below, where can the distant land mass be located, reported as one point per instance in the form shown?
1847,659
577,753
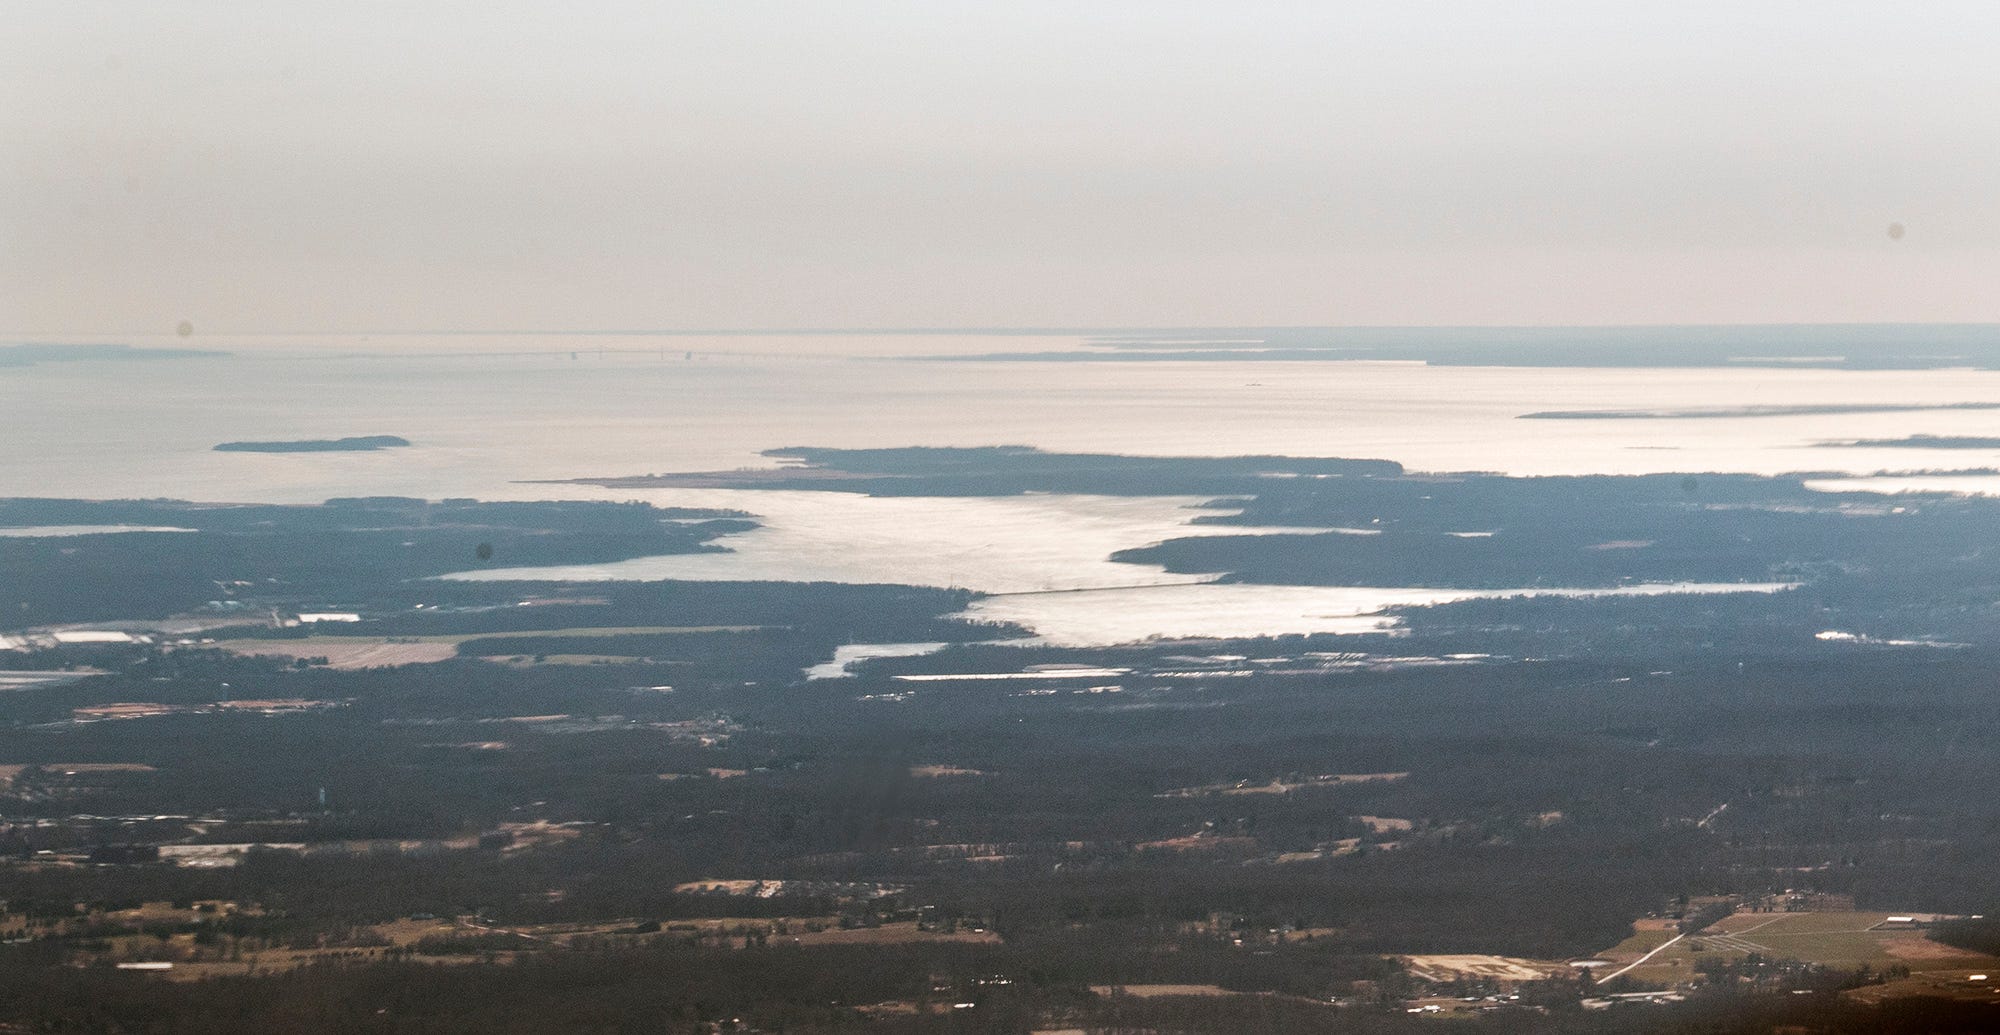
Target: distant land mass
354,444
31,354
1828,346
1005,471
1720,412
1918,442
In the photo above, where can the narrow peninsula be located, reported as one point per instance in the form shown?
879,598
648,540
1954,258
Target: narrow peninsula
354,444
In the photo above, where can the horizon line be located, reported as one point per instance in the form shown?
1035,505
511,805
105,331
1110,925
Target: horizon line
1046,330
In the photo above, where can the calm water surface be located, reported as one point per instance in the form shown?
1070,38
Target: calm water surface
490,414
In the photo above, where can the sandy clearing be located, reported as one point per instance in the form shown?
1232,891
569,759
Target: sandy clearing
943,770
344,655
1504,968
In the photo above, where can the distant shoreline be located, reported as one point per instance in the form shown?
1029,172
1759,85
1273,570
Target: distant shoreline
1917,442
354,444
1719,413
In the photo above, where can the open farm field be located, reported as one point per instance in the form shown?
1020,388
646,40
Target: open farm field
345,653
1838,940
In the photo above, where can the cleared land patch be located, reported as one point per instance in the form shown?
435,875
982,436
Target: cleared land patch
357,652
1840,940
1497,968
345,652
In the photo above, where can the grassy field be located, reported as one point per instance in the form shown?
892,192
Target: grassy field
1649,935
1842,940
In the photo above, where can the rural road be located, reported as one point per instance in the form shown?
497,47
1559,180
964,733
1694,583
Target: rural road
1656,951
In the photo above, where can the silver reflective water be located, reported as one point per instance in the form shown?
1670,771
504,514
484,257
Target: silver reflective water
487,411
496,417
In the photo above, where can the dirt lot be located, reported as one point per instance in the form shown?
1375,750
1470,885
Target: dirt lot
345,652
1925,949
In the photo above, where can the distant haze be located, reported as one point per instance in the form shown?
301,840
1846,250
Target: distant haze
288,167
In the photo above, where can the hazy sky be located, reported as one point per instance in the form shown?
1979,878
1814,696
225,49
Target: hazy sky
346,166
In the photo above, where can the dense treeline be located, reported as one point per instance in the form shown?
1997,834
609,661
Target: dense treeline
1542,771
1849,787
1974,934
674,989
340,553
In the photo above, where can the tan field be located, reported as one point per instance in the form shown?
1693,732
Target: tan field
1496,968
356,652
345,652
1843,940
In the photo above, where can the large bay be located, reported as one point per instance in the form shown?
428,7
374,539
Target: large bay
501,417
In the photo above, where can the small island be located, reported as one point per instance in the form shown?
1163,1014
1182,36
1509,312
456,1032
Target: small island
355,444
1919,442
